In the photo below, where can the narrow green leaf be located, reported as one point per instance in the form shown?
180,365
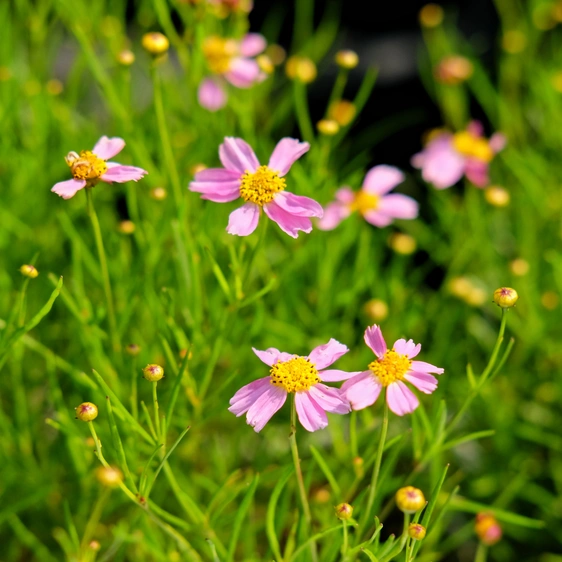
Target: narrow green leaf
369,555
467,438
144,474
312,539
270,518
240,515
327,472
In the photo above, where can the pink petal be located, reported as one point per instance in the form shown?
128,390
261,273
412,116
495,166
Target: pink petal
423,367
334,213
378,219
288,223
408,348
475,128
398,206
216,175
422,381
334,375
211,95
497,142
120,174
217,184
237,155
252,44
329,399
107,148
247,395
67,189
269,356
345,195
477,172
265,406
324,355
381,179
311,415
401,400
375,340
298,205
244,220
243,73
442,165
286,153
362,390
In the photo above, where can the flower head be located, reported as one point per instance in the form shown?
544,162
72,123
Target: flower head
373,201
292,374
389,370
261,187
155,43
91,166
448,157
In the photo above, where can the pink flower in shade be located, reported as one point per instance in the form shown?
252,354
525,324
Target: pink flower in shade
373,200
261,187
302,376
89,167
448,157
230,61
389,370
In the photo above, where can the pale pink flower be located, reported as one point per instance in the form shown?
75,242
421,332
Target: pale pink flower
389,370
91,166
261,187
448,157
373,201
230,61
302,376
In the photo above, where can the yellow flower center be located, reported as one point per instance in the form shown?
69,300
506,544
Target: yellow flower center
295,375
475,147
219,52
86,165
390,368
364,202
260,186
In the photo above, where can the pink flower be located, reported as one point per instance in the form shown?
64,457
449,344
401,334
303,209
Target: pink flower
372,200
447,156
89,167
261,187
233,61
389,370
302,376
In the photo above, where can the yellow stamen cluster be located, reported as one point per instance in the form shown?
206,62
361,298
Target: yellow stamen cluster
364,202
391,367
219,53
86,165
259,187
295,375
470,145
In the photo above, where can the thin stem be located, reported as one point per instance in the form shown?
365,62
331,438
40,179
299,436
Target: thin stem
345,544
134,390
104,271
481,553
496,350
405,535
302,111
156,408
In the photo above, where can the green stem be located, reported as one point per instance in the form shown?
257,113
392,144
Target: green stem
345,544
481,553
104,270
156,408
301,108
134,390
405,535
496,350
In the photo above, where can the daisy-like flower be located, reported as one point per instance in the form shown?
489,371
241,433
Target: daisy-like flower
372,201
231,61
302,376
448,157
261,187
91,166
389,370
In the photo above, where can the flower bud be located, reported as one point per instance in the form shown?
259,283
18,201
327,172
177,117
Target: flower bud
109,476
265,64
322,495
402,243
497,196
276,54
453,70
133,349
410,499
126,57
344,511
86,412
416,531
54,87
153,373
301,68
376,310
431,15
94,545
347,59
327,127
550,300
505,297
158,194
359,467
519,267
155,43
342,111
29,271
126,227
488,529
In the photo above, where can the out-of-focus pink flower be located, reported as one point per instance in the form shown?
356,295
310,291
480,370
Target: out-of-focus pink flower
448,157
91,166
302,376
231,61
389,370
261,187
373,200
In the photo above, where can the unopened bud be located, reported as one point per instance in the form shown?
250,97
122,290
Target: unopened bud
155,43
327,127
359,467
402,243
126,227
94,545
416,531
431,15
322,495
488,529
376,310
301,68
410,499
54,87
347,59
87,411
344,511
109,476
265,64
276,54
453,70
497,196
343,112
519,267
133,349
29,271
505,297
153,373
514,41
126,57
158,193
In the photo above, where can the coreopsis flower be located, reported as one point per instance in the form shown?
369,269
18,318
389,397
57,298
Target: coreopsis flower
91,166
389,370
373,201
448,157
261,187
232,61
488,529
292,374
